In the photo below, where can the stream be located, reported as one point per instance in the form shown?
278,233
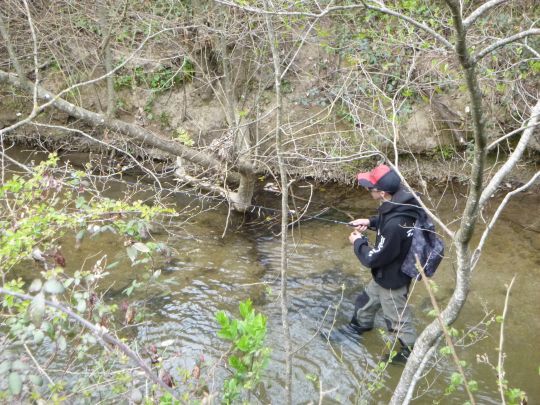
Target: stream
208,272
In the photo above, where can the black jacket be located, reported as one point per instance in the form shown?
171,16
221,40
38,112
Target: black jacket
393,241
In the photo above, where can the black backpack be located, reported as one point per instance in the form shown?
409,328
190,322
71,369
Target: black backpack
426,245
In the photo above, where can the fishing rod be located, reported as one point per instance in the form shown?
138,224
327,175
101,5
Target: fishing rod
302,217
253,208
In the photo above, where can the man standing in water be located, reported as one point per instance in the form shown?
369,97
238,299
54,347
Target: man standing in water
389,287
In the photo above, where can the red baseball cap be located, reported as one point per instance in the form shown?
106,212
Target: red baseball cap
382,178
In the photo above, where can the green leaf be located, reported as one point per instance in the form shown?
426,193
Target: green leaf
36,380
62,343
456,379
5,366
112,265
453,332
222,319
234,329
37,309
243,344
245,308
141,247
235,363
311,377
473,386
15,383
446,350
35,286
53,286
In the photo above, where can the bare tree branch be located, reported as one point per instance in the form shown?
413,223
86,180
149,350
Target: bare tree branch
412,21
505,41
284,209
532,50
143,136
445,331
434,217
433,331
7,40
330,10
34,54
508,135
109,145
105,31
467,22
495,217
22,82
514,157
102,335
16,163
500,363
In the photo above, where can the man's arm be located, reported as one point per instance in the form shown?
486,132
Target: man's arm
386,251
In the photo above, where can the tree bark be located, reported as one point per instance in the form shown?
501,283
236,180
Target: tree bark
241,199
105,29
462,239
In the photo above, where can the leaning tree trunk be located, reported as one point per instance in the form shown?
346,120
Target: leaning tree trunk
242,172
241,140
430,336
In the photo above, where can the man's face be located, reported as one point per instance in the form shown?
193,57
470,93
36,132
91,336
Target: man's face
377,195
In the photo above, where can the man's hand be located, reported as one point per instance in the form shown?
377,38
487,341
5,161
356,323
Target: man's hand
360,224
355,235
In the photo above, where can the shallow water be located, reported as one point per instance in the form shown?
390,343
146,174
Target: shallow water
209,272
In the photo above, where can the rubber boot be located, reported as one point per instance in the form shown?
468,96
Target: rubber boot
354,327
400,357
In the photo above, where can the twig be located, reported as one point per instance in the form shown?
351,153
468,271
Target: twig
284,206
495,217
419,370
102,335
500,365
445,331
467,22
322,323
323,393
508,135
37,364
514,157
505,41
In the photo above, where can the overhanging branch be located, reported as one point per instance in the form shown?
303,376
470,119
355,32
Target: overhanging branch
503,42
491,187
467,22
134,132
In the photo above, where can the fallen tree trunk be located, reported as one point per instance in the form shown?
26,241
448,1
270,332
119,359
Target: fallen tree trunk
140,135
240,172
